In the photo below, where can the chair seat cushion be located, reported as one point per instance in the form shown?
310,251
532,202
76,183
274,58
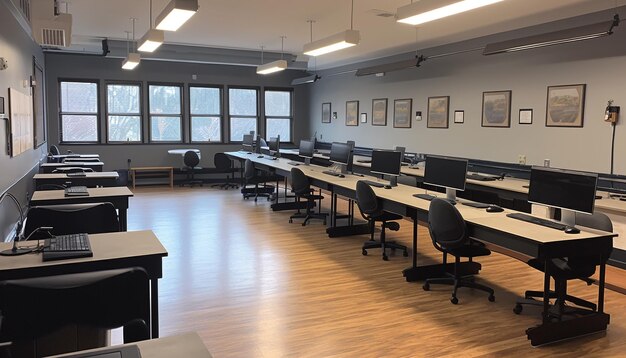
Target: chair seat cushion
470,251
386,216
560,268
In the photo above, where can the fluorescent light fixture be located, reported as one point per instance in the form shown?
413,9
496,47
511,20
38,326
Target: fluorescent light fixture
131,61
581,33
305,80
390,67
151,40
271,67
175,14
429,10
332,43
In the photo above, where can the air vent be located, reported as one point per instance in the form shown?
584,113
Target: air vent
52,37
381,13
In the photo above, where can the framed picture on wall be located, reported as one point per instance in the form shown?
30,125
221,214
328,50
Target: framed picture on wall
526,116
459,116
379,112
402,113
352,113
496,109
326,112
363,117
437,115
565,106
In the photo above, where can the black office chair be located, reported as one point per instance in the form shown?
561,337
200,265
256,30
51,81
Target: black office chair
252,177
372,212
92,218
37,307
191,161
224,165
65,170
568,268
54,150
449,235
301,187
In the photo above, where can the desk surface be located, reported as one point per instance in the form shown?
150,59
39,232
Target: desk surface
88,175
73,164
63,156
44,195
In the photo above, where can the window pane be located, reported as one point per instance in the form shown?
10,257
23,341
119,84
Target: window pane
279,126
123,99
81,97
164,99
205,129
124,128
242,102
241,126
278,103
205,100
79,128
165,129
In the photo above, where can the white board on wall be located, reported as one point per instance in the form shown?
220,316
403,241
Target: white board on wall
21,121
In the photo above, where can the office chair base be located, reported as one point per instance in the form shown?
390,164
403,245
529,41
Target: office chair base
459,282
373,244
308,216
225,186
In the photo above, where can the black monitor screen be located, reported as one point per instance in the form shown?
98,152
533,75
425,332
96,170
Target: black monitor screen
248,139
307,148
563,189
401,150
386,162
340,153
445,172
274,144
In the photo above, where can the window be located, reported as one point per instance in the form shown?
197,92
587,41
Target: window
124,113
79,111
205,105
278,114
165,113
242,107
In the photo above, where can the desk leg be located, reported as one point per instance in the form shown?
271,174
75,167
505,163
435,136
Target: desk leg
601,287
546,289
123,219
154,306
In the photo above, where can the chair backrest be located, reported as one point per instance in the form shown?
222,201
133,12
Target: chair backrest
191,159
72,170
249,172
597,220
44,187
299,182
446,225
92,218
584,265
222,161
366,200
54,150
103,299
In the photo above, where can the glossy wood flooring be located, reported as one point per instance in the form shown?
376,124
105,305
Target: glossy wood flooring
253,285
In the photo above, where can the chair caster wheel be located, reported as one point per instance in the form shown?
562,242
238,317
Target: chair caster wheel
324,222
517,309
303,224
492,298
364,252
454,300
290,221
385,258
255,200
426,287
405,254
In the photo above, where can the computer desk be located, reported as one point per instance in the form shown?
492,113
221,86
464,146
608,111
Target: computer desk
91,179
59,157
118,196
110,251
49,167
495,228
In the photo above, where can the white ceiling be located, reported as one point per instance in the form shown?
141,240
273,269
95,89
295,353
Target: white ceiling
248,24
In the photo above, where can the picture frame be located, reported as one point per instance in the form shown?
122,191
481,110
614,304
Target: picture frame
459,116
526,116
326,108
496,109
565,106
379,112
363,117
437,115
352,113
402,109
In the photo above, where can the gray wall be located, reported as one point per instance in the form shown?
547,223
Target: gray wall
115,155
600,63
17,46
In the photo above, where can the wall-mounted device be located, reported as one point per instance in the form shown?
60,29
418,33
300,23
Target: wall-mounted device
334,115
611,113
1,106
418,115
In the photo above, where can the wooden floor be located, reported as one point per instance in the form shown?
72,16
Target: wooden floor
253,285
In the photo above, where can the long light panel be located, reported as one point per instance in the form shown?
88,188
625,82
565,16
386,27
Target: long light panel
429,10
332,43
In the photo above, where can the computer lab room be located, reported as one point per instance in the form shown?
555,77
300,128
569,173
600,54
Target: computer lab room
291,178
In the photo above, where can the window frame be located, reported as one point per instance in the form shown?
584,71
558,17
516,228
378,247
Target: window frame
181,115
97,113
258,111
291,112
107,114
221,115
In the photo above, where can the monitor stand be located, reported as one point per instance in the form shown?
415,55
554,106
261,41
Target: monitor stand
568,217
393,181
307,161
343,169
451,195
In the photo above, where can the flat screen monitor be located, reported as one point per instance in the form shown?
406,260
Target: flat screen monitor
257,144
563,189
445,172
248,142
402,150
340,153
274,145
307,148
386,162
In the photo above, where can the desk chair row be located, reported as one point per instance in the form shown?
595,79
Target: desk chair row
223,165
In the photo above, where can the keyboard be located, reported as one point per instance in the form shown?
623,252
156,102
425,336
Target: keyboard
535,220
374,183
67,247
330,172
79,190
294,163
475,176
475,204
76,174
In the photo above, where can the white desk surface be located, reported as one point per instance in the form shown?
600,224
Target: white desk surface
183,151
99,175
93,193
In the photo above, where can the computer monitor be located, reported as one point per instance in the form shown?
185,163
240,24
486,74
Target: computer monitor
274,146
387,162
340,153
402,150
257,144
447,173
569,190
248,142
307,148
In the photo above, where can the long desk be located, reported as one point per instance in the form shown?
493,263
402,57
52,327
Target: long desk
91,180
118,196
49,167
57,158
529,239
110,251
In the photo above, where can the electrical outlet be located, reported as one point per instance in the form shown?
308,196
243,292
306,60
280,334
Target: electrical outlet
521,159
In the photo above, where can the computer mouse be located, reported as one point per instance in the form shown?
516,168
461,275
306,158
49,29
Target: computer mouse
260,156
387,187
572,230
341,176
494,209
